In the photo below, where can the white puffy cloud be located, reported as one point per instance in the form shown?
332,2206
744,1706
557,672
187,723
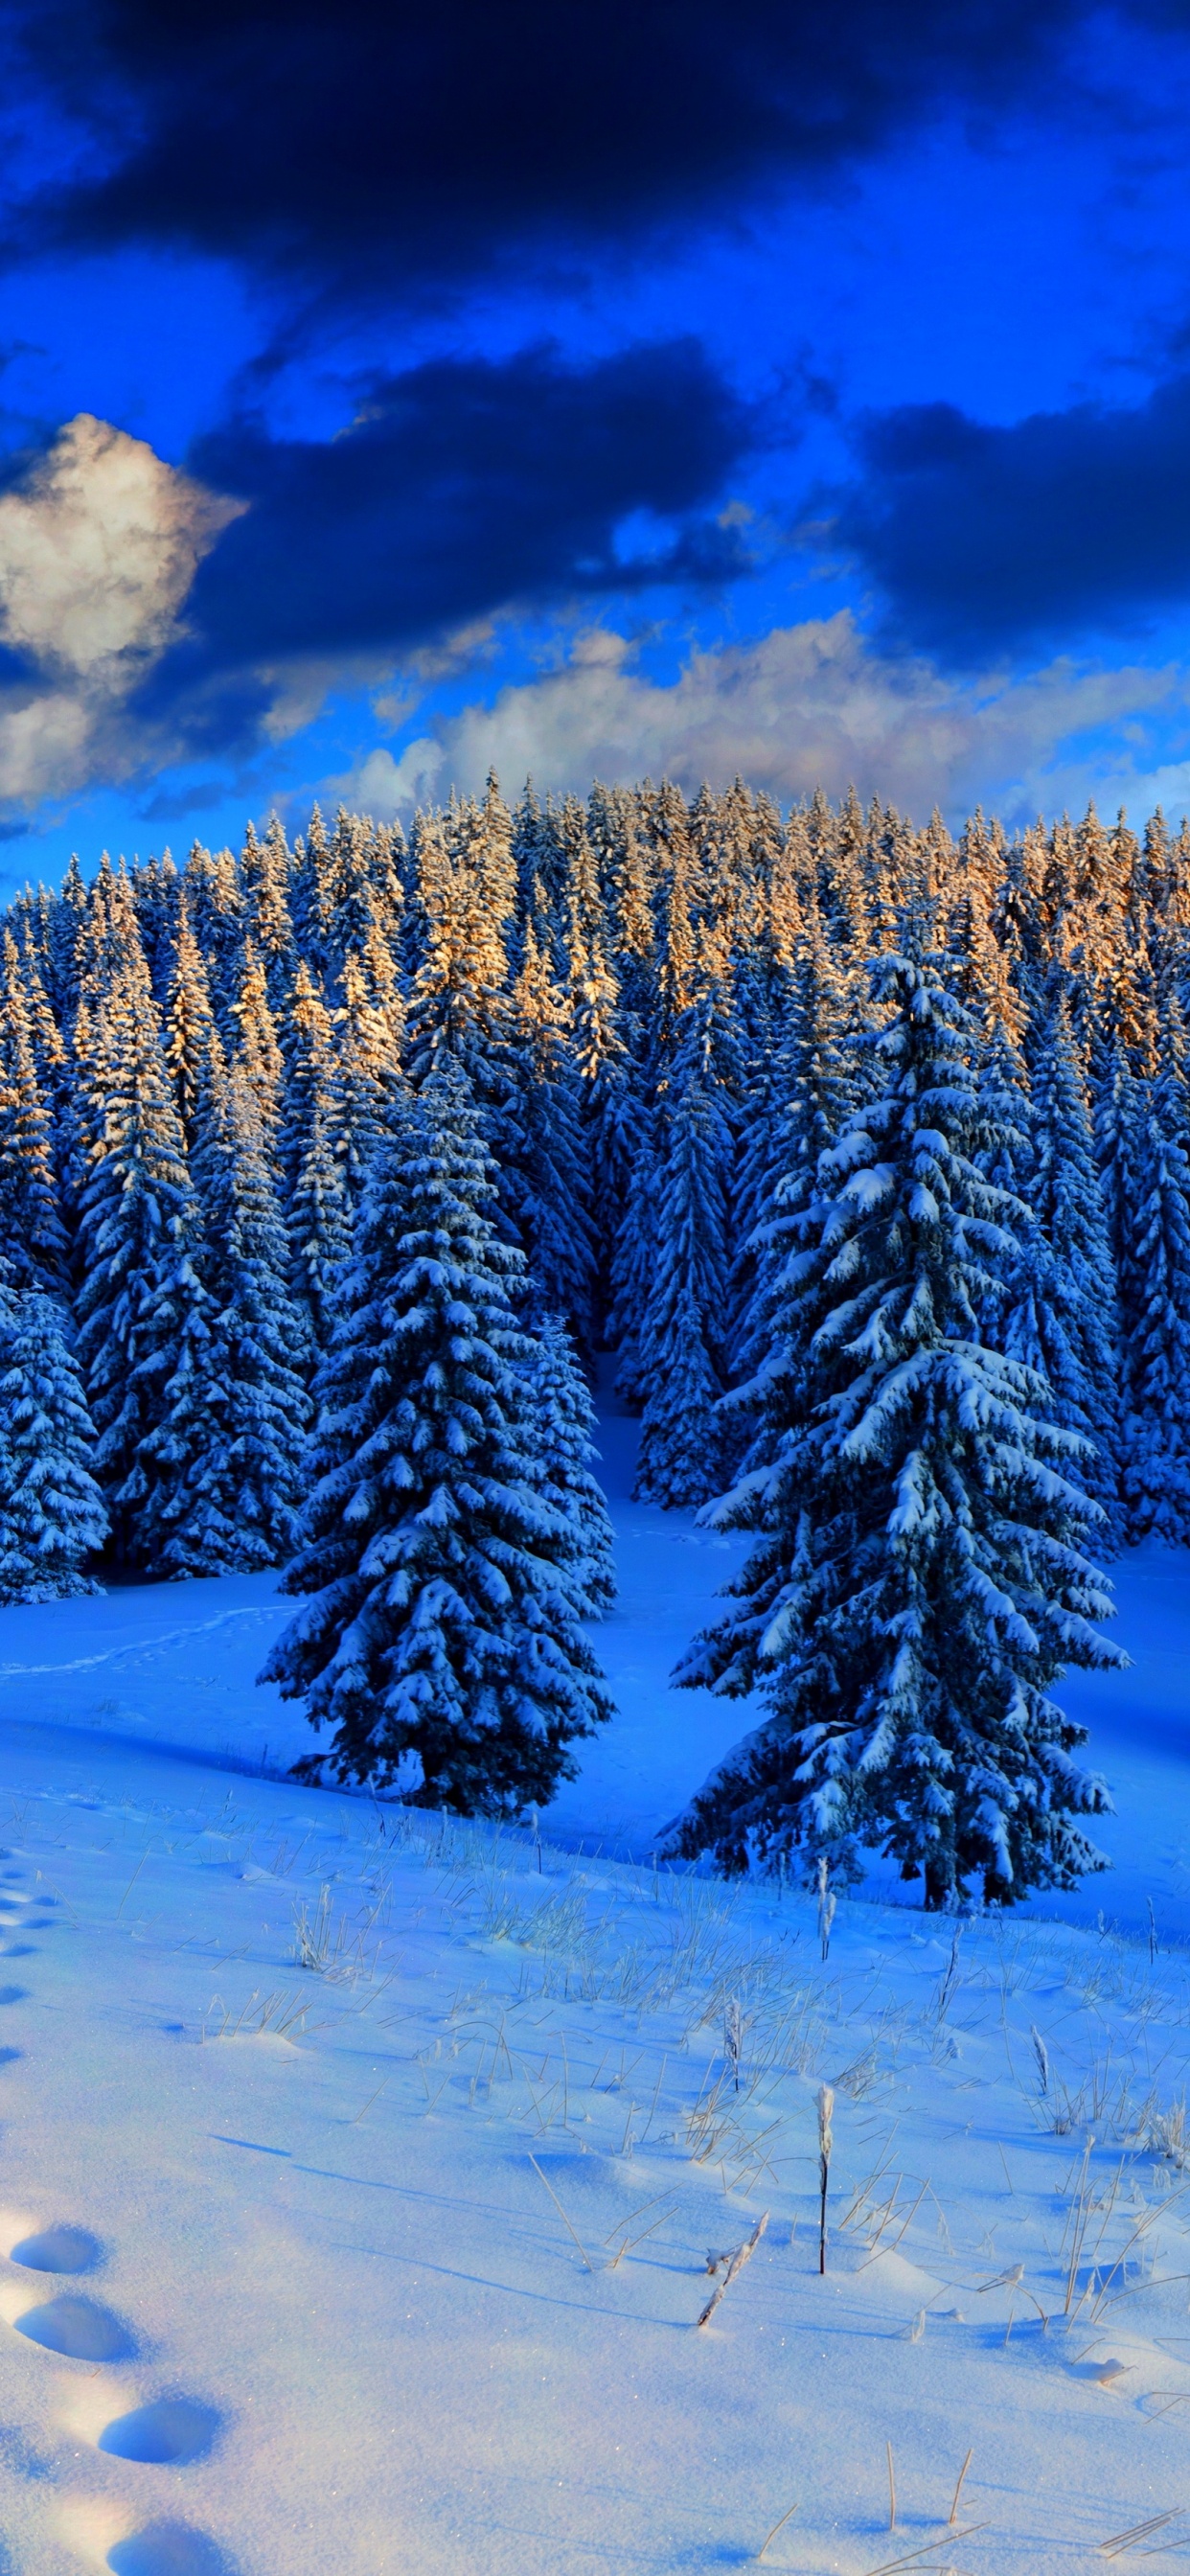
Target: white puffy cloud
99,544
807,705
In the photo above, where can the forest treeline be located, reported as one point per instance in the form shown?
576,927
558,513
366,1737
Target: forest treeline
641,1025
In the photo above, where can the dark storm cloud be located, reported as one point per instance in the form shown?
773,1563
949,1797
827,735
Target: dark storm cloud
465,486
981,538
379,147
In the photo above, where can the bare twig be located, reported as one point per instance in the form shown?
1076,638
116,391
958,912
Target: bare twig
826,2106
734,2266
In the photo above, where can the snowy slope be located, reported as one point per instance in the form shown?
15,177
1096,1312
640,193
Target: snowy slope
282,2289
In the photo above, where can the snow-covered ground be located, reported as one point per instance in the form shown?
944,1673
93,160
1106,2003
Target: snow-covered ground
358,2177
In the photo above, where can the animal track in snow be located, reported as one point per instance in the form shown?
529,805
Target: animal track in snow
57,2249
170,2430
167,2549
79,2328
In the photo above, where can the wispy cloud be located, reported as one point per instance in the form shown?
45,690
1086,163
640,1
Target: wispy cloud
807,705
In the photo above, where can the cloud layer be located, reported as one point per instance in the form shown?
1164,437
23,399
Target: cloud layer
384,148
983,536
465,485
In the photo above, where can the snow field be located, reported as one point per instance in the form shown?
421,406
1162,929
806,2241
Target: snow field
393,2259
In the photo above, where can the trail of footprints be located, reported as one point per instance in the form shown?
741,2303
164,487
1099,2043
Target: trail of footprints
167,2432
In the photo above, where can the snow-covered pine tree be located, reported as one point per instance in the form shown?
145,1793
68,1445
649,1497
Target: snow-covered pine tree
798,1109
1077,1321
314,1160
369,1024
51,1510
456,1006
242,1422
1002,1149
626,863
633,1257
609,1103
257,1044
545,1183
441,1647
193,1048
155,887
564,1442
1157,1303
142,1312
919,1578
31,1226
264,875
68,944
683,1326
690,1048
215,907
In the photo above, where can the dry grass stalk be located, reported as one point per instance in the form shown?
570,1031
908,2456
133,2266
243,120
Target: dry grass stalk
953,2515
1122,2540
587,2263
777,2526
927,2549
950,1977
1081,2216
372,2097
733,2037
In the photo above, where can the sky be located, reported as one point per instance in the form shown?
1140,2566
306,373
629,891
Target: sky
390,393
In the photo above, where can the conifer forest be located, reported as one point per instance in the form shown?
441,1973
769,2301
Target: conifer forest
328,1170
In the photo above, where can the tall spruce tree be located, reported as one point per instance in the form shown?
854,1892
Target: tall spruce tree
682,1328
920,1576
143,1313
242,1421
30,1212
315,1161
564,1444
51,1510
441,1648
1076,1306
1157,1348
545,1185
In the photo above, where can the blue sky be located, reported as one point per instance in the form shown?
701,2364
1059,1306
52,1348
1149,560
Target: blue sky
613,390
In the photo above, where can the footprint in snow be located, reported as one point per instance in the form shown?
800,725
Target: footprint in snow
168,2549
57,2249
79,2328
166,2433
